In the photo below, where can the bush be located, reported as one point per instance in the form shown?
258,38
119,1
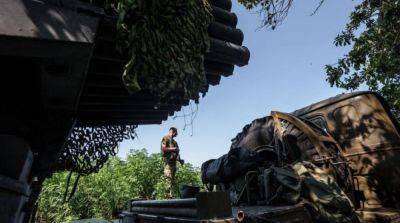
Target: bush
106,193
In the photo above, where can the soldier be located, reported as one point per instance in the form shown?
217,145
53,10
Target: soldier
170,153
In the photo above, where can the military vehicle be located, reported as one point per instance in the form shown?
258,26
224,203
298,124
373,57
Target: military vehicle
62,79
62,72
351,138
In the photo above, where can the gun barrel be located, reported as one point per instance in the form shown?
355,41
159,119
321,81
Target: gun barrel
188,202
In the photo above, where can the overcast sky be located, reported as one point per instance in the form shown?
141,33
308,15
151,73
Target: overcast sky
285,72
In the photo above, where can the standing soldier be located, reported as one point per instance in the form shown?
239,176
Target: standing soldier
170,154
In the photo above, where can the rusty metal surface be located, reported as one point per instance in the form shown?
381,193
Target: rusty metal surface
369,137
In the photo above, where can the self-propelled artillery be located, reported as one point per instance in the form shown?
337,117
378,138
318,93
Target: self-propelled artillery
333,161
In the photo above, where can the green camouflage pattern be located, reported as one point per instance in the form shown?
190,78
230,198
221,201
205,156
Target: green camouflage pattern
169,157
306,183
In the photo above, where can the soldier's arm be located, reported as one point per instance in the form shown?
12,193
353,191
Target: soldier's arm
166,148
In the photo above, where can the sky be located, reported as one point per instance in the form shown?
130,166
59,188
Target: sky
285,72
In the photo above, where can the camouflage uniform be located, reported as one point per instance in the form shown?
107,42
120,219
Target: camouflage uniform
170,159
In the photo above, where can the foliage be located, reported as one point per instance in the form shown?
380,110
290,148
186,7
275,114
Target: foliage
272,11
104,194
374,34
165,42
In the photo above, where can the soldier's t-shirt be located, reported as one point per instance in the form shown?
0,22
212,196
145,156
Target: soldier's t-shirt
169,157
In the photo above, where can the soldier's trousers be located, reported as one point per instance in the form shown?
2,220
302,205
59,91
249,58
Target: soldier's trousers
169,174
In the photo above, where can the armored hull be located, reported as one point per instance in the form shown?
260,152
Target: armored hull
344,148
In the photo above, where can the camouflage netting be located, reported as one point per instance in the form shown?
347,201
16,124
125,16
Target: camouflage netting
88,148
165,42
